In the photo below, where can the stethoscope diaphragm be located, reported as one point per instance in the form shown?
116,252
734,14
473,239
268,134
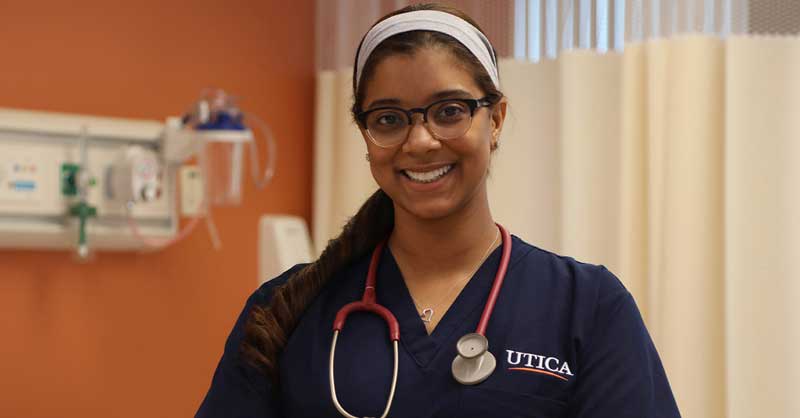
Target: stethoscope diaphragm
474,363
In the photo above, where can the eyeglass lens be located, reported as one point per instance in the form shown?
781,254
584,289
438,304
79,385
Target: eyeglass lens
446,120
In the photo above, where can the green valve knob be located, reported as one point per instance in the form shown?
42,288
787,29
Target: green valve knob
82,211
69,179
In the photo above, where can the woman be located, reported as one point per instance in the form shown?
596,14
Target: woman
566,337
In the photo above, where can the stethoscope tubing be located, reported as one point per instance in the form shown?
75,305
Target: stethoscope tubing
336,403
498,282
368,304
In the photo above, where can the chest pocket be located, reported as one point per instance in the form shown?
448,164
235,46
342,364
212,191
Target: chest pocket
481,402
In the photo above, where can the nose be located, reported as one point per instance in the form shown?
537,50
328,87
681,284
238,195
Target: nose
420,140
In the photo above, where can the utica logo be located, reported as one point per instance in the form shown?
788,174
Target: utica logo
536,363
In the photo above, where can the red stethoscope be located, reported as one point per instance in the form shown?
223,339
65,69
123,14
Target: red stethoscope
473,364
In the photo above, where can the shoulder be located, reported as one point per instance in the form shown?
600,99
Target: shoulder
264,293
237,386
260,297
585,298
579,278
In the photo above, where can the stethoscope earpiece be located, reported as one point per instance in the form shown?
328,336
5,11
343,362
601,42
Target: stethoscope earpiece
474,363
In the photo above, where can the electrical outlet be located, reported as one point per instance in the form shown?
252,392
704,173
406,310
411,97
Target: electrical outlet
192,191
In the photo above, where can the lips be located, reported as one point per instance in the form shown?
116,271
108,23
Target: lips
427,176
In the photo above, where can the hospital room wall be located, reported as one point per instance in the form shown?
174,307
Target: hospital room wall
139,335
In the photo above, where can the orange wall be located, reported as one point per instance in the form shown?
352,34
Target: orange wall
139,335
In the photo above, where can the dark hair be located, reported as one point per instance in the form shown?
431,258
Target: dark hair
268,327
410,42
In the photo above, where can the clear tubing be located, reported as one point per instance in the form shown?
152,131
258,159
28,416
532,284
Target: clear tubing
212,228
156,243
207,200
272,149
185,232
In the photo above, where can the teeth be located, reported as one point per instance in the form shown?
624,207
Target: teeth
428,176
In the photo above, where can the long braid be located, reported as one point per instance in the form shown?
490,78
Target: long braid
268,327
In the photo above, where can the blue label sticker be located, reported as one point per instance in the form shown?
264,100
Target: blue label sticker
24,185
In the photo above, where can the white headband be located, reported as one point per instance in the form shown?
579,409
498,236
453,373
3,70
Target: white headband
430,20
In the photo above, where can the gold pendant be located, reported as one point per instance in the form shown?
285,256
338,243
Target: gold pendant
427,315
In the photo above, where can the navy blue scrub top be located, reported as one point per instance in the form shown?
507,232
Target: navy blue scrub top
568,339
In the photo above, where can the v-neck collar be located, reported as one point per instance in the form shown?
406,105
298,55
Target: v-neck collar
393,294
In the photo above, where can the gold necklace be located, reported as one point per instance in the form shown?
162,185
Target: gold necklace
427,313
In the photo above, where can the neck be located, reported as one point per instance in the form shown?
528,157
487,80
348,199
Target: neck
444,244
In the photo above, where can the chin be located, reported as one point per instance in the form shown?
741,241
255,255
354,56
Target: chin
431,210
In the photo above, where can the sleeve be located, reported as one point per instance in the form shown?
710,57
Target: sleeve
238,390
621,375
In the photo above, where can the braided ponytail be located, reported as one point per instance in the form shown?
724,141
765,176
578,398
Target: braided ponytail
268,327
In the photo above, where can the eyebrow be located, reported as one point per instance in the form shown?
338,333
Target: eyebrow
444,94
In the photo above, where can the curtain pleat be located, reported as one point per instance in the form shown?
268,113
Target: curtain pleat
590,160
634,240
529,150
342,177
688,276
326,119
762,226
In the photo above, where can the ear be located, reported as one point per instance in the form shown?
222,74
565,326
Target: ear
498,117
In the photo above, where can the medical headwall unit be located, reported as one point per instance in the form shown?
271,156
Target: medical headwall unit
47,160
87,182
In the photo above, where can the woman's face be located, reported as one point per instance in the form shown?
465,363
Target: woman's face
457,167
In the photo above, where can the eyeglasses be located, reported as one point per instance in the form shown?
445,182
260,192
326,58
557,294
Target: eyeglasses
445,119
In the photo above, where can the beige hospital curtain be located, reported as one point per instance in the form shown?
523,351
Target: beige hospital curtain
677,165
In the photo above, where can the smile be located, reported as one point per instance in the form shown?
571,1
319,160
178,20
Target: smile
428,176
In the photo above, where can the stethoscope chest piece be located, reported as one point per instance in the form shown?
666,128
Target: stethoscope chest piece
474,363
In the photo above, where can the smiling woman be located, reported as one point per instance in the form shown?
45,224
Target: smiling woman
568,336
